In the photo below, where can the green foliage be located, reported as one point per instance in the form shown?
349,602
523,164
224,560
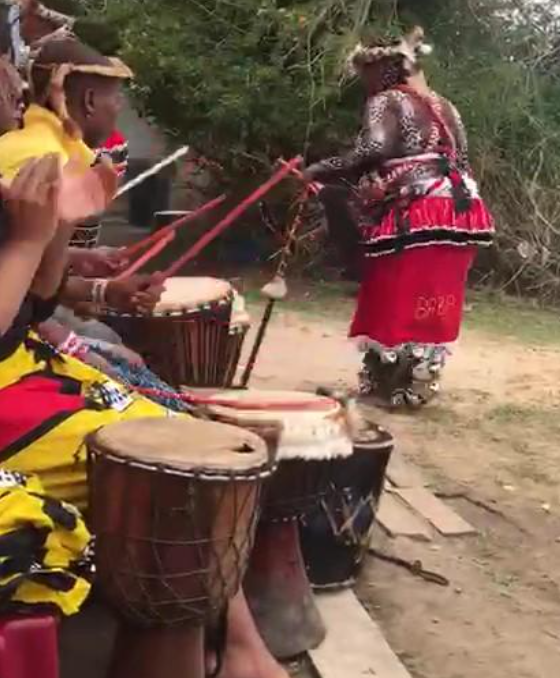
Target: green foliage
246,81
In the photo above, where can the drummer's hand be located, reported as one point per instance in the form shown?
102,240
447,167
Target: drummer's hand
31,201
86,194
101,262
137,293
308,175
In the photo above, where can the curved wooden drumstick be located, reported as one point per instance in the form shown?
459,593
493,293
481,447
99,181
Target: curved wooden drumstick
232,216
133,249
160,245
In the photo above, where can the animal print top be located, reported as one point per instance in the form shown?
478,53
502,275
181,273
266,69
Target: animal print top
397,126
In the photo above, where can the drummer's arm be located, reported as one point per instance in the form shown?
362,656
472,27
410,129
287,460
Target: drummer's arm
374,144
135,293
78,293
50,274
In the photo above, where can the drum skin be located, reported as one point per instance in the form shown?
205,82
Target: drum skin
307,444
335,534
193,345
171,545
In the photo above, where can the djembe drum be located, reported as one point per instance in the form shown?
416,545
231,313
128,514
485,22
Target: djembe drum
193,337
174,505
335,534
313,438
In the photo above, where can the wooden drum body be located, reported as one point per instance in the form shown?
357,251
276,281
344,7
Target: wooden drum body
313,438
335,534
194,336
174,505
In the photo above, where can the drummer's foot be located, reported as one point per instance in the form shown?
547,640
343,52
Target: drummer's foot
246,655
239,662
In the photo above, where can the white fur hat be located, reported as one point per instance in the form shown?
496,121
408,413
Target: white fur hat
411,47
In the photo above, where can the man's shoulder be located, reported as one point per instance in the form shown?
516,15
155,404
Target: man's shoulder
19,146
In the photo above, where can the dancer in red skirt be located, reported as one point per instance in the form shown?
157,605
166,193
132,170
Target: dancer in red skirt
418,219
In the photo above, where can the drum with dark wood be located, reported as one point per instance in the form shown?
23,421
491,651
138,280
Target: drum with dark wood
313,438
174,505
336,532
194,336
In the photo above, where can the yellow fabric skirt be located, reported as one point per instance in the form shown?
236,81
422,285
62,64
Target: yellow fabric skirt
49,404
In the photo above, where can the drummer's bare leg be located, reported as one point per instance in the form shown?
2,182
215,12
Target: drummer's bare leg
246,655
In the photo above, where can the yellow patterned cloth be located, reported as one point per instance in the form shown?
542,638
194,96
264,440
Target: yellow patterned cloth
48,405
43,543
42,133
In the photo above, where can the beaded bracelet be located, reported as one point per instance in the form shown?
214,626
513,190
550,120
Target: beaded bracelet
73,346
98,291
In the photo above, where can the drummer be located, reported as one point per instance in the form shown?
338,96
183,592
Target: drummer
98,345
50,403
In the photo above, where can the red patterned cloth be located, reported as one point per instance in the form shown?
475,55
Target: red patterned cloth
431,220
116,148
414,296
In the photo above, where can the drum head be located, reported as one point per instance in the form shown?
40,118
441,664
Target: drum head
183,444
273,405
313,427
185,294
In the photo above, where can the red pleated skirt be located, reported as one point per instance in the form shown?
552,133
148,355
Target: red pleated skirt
413,296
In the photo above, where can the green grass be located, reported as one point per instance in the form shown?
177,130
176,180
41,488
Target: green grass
501,316
324,299
510,414
494,315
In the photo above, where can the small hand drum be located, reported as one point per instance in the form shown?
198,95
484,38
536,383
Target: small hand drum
314,437
174,505
193,336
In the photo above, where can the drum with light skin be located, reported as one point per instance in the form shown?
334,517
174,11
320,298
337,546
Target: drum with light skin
307,435
174,504
194,336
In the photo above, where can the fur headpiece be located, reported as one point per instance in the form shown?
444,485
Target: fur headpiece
411,47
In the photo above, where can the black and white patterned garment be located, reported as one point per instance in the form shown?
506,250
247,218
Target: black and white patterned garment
396,127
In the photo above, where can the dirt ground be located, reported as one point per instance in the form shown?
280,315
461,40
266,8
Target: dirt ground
491,443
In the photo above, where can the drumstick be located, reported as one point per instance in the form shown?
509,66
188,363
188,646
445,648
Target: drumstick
152,170
150,254
235,213
131,250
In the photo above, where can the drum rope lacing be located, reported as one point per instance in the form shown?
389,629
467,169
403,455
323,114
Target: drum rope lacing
264,471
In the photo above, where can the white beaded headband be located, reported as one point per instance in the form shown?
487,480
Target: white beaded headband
411,47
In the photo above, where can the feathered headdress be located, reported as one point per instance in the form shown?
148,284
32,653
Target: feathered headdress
411,47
